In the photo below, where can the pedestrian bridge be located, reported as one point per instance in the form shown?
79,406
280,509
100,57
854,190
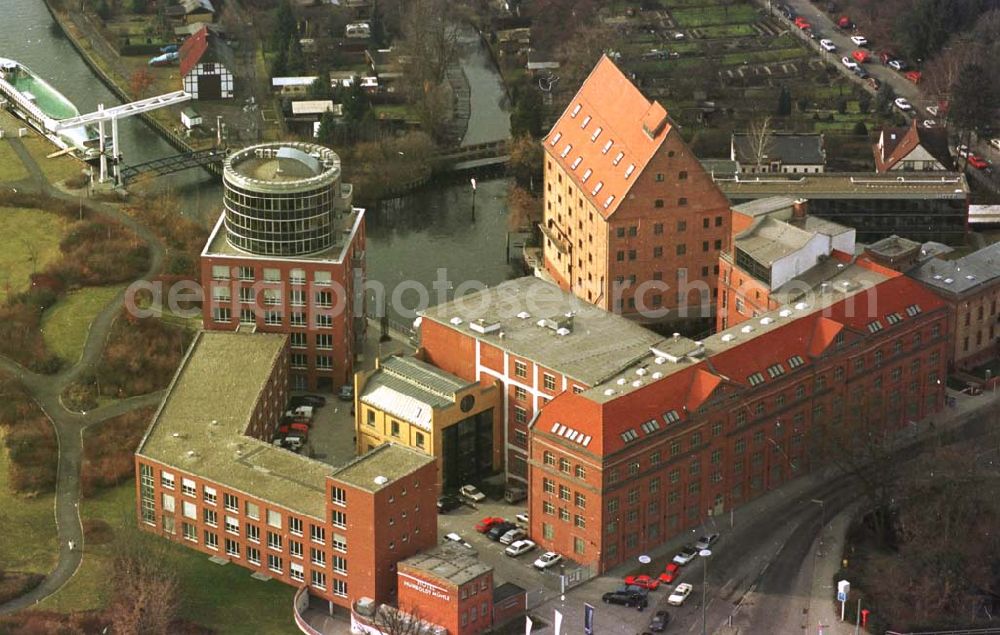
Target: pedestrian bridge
176,163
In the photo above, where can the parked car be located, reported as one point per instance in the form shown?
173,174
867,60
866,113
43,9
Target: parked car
994,143
304,412
448,503
897,65
859,40
707,541
522,518
977,162
670,573
488,523
861,57
643,581
346,393
827,45
659,622
686,555
547,559
861,72
625,598
316,401
802,23
457,538
962,150
472,493
845,22
513,535
499,529
903,104
929,123
913,76
848,62
293,427
519,547
680,594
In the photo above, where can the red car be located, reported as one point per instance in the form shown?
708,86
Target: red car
802,23
913,76
294,427
643,581
861,57
668,576
487,523
977,162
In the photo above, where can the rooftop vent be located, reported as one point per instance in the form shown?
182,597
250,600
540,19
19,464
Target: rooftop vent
728,337
784,312
190,454
620,381
949,280
484,326
766,320
609,391
637,383
524,315
657,375
801,306
380,480
215,422
746,329
660,360
563,332
455,321
562,322
640,371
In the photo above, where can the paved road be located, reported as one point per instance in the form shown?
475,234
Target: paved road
46,390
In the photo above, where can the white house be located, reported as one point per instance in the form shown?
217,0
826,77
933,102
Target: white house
204,76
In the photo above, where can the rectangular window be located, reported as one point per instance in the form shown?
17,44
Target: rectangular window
339,519
318,557
212,540
520,369
340,543
339,496
232,548
209,495
253,555
190,532
167,480
231,502
319,579
253,511
295,548
340,565
296,572
274,563
295,525
210,517
232,525
317,534
340,588
246,273
549,381
274,541
188,487
253,533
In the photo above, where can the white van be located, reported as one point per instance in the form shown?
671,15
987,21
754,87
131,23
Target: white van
995,144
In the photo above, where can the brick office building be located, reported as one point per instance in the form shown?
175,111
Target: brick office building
631,220
534,341
775,254
693,429
448,586
288,256
208,479
971,287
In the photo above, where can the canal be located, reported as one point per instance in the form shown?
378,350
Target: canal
409,239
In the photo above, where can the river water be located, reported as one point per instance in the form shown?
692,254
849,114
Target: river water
409,239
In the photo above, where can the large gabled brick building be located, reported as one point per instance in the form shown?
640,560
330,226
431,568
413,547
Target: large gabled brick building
632,222
693,429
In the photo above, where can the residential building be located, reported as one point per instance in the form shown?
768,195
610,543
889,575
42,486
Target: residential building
632,223
914,148
288,256
533,340
209,478
775,242
457,421
192,11
920,207
690,430
770,152
971,287
202,70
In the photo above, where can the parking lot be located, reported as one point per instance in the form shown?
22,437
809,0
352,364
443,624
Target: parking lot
331,437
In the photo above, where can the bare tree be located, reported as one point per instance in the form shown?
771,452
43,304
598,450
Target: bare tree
145,594
760,140
523,209
399,621
430,39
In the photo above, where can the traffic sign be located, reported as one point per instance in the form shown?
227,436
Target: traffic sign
841,596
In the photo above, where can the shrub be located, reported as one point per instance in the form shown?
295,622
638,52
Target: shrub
108,448
141,356
30,440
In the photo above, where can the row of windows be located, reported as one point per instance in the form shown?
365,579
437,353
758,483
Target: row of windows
549,459
224,315
270,274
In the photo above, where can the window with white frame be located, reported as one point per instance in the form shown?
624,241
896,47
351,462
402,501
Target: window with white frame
340,542
297,276
210,517
253,555
318,534
232,525
274,518
190,532
295,525
232,503
340,565
274,563
295,548
189,509
212,540
253,511
168,503
232,548
339,496
296,571
339,519
188,487
324,341
274,541
319,579
209,495
318,556
167,480
253,533
340,588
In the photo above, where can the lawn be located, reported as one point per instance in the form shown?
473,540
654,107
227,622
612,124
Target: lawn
727,30
65,326
11,168
28,526
705,16
223,598
56,170
34,245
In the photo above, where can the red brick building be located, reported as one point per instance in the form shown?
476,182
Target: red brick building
693,429
207,478
632,222
773,256
288,256
450,587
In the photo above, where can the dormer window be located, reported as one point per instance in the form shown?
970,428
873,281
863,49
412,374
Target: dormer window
618,158
555,139
569,146
629,170
586,174
607,146
597,188
586,120
597,133
576,162
576,111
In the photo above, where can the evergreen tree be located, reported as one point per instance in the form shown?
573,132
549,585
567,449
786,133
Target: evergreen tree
355,102
320,89
884,98
296,59
327,128
972,98
784,102
526,119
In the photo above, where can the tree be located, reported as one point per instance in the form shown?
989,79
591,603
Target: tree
103,10
393,621
884,98
140,81
523,209
145,597
430,39
327,128
139,6
864,103
860,129
580,48
972,99
760,140
525,161
526,118
296,57
285,27
355,102
784,102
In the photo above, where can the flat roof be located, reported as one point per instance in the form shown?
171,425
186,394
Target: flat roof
594,347
219,245
962,274
201,425
387,463
450,563
943,185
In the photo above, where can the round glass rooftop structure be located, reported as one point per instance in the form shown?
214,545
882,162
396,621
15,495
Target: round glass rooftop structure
282,198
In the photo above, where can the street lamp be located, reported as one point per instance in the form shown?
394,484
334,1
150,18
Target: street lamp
704,553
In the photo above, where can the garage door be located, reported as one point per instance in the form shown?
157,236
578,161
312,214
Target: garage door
209,87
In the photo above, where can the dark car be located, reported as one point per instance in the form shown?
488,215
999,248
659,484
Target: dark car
659,622
861,72
316,401
448,503
500,529
626,598
346,393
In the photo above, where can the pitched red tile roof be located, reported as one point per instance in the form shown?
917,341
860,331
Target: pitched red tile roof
608,109
898,143
193,49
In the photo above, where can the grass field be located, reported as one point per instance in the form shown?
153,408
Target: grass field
705,16
28,526
65,325
57,169
11,168
34,236
222,598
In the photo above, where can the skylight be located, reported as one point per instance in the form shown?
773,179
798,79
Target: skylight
776,370
650,426
607,146
597,188
874,326
756,379
671,416
597,133
795,361
913,309
608,201
893,318
586,120
629,170
586,174
618,158
555,139
569,146
576,162
576,110
629,435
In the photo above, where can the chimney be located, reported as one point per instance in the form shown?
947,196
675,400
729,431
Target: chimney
800,208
